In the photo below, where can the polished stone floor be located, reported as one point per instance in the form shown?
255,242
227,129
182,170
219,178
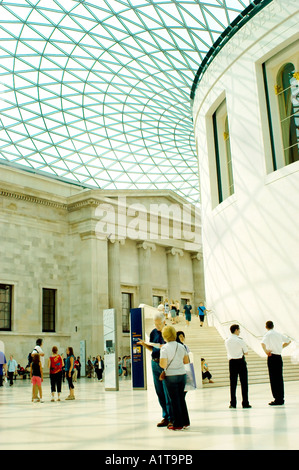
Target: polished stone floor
126,420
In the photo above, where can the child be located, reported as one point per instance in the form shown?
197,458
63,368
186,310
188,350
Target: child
36,376
205,371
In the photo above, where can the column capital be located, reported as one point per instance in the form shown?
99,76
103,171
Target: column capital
197,256
174,251
147,245
116,240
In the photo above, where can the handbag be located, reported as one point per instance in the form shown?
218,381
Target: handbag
163,373
190,375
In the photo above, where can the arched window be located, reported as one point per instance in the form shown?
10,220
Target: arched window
281,80
287,90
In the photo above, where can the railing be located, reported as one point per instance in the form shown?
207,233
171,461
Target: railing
251,339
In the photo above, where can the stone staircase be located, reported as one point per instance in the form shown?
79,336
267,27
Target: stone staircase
206,342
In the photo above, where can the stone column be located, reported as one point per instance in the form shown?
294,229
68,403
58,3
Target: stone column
198,279
115,300
145,272
91,296
173,273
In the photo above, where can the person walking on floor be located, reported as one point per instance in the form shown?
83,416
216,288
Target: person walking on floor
156,339
12,367
202,311
236,351
273,343
187,312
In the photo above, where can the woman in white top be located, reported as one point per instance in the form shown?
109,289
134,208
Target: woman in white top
173,356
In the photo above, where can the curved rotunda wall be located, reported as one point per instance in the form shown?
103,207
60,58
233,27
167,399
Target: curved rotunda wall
250,239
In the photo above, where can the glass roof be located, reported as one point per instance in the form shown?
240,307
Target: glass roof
98,92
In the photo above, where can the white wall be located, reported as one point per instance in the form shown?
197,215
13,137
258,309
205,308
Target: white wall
250,241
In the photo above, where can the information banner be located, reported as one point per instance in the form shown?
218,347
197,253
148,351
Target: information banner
83,357
137,351
110,350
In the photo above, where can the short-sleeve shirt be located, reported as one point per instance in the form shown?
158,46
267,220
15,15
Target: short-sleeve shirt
175,353
235,347
273,340
188,308
156,337
56,364
201,310
40,351
12,365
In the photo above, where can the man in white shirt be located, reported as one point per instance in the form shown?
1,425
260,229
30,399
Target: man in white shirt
236,350
38,350
273,344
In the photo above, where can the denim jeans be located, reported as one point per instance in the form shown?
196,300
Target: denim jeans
162,393
176,389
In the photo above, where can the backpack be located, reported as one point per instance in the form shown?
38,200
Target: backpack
30,359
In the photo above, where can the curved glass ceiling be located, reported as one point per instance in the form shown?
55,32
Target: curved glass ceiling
97,92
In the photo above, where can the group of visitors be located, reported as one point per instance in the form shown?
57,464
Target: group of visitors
272,343
57,368
95,368
60,368
171,311
169,356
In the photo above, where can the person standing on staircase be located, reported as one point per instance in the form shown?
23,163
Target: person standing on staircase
236,351
187,312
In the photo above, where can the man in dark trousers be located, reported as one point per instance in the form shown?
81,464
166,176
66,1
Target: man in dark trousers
236,351
156,338
273,344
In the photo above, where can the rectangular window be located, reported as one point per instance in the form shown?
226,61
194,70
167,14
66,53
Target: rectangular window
126,307
157,299
49,310
223,160
5,307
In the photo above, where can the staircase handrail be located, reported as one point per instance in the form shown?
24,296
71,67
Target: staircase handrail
251,339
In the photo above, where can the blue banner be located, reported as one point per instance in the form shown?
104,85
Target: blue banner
137,352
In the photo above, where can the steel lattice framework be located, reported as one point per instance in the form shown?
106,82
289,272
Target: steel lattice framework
98,92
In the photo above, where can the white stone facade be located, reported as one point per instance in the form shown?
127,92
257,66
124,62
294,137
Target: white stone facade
250,240
54,235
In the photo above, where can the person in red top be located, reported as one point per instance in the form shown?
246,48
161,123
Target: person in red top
55,365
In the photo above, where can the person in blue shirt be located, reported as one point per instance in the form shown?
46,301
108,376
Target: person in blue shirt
160,386
12,367
202,311
69,371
